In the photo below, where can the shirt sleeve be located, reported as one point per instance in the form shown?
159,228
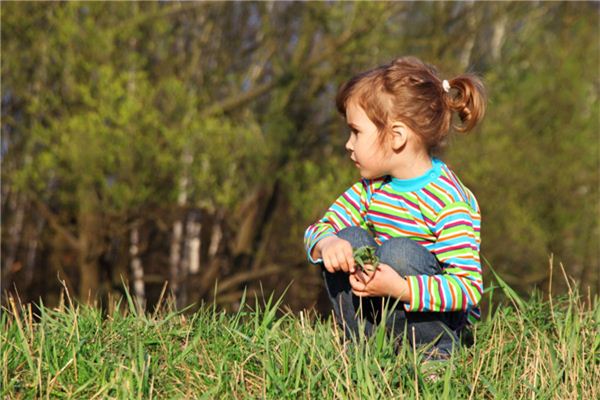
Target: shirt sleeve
459,286
346,211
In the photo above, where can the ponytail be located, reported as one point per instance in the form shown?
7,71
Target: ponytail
467,98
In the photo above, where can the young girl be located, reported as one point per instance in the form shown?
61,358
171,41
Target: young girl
410,206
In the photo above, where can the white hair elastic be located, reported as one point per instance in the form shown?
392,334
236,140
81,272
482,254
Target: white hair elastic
446,85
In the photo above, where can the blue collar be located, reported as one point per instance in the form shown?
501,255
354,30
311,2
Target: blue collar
413,184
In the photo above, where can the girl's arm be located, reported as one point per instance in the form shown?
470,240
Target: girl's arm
344,212
460,286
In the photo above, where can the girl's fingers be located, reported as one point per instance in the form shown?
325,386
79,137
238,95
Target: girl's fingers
350,260
369,272
328,265
356,284
335,265
341,262
352,280
360,277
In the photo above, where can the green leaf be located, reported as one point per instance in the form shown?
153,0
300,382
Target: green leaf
366,255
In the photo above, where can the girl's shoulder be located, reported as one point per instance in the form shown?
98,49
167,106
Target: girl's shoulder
448,189
362,191
369,186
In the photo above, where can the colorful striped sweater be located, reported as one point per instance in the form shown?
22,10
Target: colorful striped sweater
437,211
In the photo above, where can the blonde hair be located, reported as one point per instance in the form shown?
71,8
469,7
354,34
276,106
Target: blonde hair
410,91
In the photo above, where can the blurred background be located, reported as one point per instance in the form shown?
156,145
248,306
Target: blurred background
193,143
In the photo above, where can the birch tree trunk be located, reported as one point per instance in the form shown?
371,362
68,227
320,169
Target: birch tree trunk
217,235
175,264
465,55
137,270
498,36
191,256
194,247
175,255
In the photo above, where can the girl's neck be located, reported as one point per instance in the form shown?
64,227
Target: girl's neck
412,166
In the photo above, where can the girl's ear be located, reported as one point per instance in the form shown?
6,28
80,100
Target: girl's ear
400,137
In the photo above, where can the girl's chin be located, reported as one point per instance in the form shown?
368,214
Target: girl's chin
365,175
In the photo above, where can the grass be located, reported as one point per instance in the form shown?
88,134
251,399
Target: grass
530,349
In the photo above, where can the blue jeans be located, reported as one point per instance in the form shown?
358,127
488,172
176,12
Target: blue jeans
406,257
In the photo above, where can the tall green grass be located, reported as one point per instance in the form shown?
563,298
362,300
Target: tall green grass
530,349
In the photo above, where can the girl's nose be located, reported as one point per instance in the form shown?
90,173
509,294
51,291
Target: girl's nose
349,146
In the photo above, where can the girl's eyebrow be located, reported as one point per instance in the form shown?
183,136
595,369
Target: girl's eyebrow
351,125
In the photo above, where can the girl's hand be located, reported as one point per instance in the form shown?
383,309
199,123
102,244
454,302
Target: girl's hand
336,254
383,281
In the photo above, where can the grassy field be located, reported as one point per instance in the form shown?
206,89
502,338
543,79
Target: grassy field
529,349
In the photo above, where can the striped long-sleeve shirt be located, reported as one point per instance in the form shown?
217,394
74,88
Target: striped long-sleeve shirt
437,211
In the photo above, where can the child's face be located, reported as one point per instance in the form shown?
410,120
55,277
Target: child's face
364,144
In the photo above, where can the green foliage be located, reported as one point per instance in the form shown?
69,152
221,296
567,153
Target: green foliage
534,163
228,160
366,256
311,184
133,111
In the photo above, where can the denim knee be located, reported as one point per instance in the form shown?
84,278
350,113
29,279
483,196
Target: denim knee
357,237
407,257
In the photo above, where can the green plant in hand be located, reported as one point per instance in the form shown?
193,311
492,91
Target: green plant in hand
365,255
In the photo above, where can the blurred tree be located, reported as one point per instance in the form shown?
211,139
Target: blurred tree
196,141
535,162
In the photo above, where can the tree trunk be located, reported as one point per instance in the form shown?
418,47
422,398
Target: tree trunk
190,262
469,44
175,266
14,233
498,37
184,266
175,257
217,235
137,271
194,247
32,251
88,246
264,229
5,188
89,278
246,232
213,264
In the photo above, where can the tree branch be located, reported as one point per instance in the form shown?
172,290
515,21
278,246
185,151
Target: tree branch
245,276
162,11
53,220
240,99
